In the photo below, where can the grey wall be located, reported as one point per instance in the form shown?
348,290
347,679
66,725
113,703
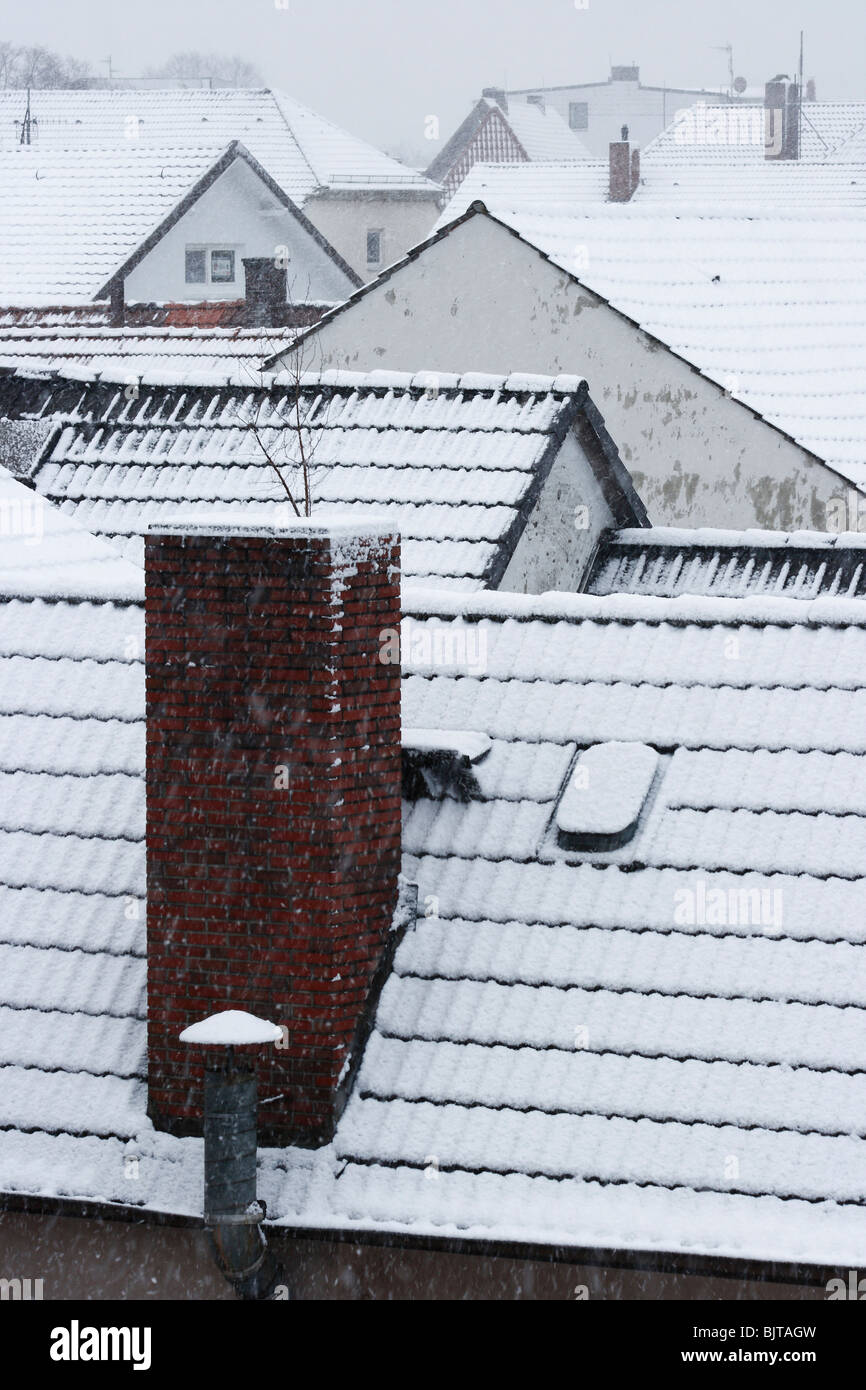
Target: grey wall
479,299
558,542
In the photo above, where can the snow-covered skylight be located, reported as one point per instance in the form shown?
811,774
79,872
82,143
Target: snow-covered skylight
606,792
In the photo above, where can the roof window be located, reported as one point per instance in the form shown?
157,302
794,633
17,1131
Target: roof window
606,792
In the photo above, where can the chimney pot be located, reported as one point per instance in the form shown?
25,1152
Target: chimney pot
497,94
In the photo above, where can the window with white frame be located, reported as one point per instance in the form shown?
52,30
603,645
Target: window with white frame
211,265
578,115
374,245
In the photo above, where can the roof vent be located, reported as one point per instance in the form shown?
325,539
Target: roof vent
438,763
608,788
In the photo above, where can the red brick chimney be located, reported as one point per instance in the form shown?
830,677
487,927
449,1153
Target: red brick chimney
273,802
624,169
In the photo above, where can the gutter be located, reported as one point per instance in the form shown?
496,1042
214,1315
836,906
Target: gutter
735,1268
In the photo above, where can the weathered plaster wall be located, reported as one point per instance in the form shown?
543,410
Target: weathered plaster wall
345,221
481,300
561,535
238,211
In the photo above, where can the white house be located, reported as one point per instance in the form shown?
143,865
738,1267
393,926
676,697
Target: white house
368,206
152,224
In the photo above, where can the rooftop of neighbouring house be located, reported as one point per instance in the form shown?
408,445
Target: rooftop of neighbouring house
604,1048
457,461
151,347
668,561
303,151
541,131
734,134
71,220
499,129
769,303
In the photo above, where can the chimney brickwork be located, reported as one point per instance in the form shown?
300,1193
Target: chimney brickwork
266,291
273,803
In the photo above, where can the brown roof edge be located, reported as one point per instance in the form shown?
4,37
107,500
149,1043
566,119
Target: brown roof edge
652,1261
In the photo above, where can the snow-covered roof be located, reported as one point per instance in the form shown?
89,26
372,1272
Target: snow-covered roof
495,132
670,561
455,461
733,134
301,150
542,132
770,305
139,350
67,221
71,220
655,1048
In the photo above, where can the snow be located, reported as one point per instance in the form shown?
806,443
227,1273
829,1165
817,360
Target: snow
471,747
607,789
231,1028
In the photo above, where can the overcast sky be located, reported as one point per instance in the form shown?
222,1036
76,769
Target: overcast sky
380,67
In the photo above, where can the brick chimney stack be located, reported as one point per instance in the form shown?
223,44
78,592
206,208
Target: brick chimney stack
273,802
266,291
624,169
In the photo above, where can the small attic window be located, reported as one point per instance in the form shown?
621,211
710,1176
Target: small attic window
214,265
374,246
607,790
438,763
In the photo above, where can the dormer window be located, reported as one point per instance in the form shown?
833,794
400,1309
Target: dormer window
210,265
607,790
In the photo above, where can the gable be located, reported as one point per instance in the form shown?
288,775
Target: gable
479,293
240,212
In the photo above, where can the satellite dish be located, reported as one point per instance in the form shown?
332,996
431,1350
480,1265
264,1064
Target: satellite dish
740,85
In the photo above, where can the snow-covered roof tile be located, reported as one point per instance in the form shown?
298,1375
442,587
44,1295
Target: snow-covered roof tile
575,1043
302,151
451,461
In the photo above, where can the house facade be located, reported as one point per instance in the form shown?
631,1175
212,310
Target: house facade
597,111
154,225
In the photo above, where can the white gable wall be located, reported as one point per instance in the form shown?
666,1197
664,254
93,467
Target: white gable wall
561,535
240,211
479,299
345,221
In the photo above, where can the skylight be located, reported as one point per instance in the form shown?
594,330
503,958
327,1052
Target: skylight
608,787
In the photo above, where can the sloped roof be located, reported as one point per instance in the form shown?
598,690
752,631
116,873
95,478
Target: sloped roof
67,223
140,350
301,150
456,461
729,564
490,132
543,133
71,224
734,134
560,1056
772,306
